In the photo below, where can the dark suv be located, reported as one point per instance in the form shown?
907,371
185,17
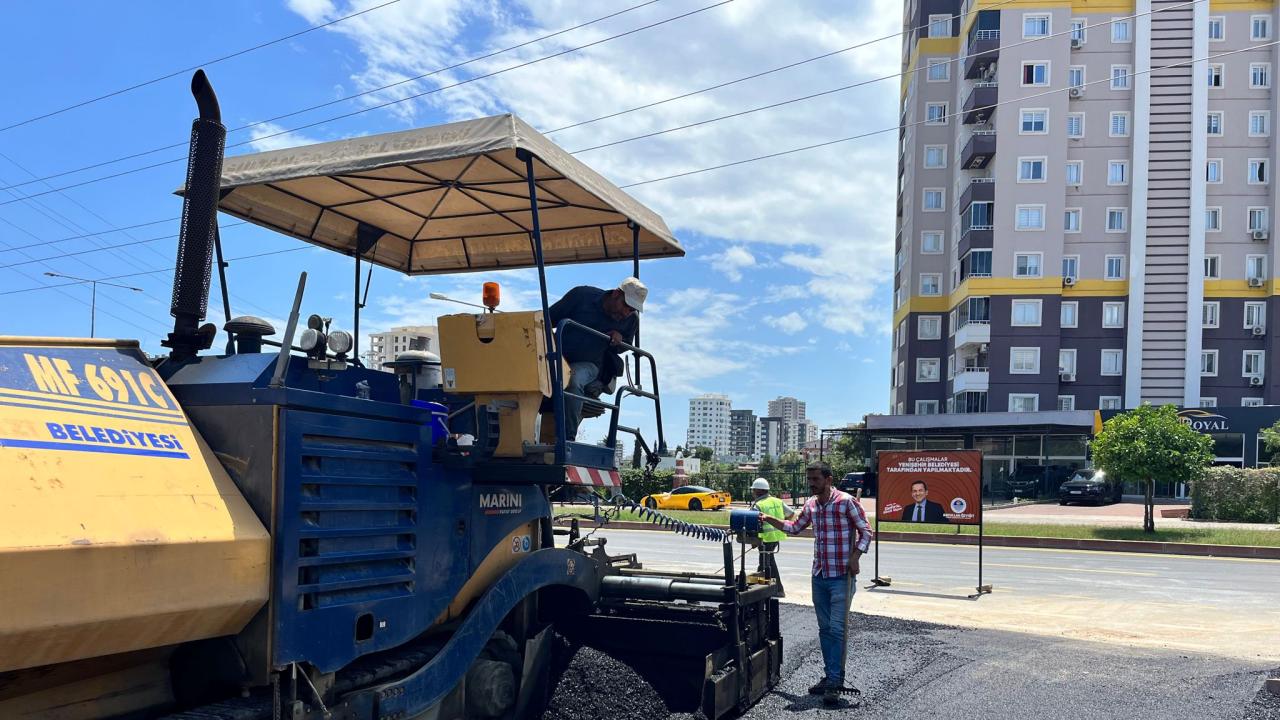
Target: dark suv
1032,481
1090,486
855,481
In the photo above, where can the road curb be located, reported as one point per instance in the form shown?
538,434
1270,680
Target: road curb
1134,546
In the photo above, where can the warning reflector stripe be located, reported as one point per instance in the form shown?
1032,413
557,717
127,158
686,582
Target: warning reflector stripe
595,477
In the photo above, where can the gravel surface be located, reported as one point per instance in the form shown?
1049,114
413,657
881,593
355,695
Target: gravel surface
1265,706
589,684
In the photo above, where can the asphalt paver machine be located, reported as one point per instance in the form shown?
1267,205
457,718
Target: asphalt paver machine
274,530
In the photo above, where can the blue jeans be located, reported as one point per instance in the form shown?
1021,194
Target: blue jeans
580,376
831,598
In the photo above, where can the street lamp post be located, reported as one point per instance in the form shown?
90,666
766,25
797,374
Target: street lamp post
93,302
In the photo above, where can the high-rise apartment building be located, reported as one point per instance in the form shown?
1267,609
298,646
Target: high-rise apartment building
384,346
1085,206
771,438
709,417
743,440
791,411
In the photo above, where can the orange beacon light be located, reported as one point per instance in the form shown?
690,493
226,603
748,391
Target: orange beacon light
492,295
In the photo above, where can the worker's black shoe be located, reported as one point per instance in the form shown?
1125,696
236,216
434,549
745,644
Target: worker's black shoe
831,696
819,688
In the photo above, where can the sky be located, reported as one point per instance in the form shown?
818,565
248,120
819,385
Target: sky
786,287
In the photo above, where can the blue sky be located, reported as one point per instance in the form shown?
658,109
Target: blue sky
786,286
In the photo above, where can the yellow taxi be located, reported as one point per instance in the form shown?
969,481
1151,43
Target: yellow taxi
689,497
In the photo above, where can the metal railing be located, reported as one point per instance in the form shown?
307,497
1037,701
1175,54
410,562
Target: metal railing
986,35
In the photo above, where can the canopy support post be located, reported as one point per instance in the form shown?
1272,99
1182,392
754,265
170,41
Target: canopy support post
553,346
355,313
635,273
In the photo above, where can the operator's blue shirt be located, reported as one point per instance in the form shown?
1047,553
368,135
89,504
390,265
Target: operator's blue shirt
585,304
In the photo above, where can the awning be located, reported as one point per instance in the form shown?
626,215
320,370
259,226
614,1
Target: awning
443,199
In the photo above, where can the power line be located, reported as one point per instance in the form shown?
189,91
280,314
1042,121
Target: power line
184,71
98,233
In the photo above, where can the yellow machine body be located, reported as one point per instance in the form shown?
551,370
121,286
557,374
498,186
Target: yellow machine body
119,529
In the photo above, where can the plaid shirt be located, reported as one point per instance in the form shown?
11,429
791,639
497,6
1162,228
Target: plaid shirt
834,523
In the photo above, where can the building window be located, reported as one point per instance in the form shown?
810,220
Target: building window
1216,75
1071,221
1120,77
1030,217
939,26
1214,123
1108,402
939,70
1023,402
1213,219
1025,313
931,242
1260,27
1075,172
897,297
1213,171
935,113
1255,266
1024,360
1121,30
1255,315
1251,402
1027,265
1258,219
1208,402
902,332
1112,314
1217,29
1067,361
1119,124
926,407
1208,363
933,199
1069,315
929,327
1079,29
951,326
927,370
1075,76
1035,74
1253,363
1260,75
935,157
951,366
1209,314
1071,266
1117,219
1211,263
901,408
1112,362
930,284
1114,267
1118,172
1066,403
1259,123
1257,171
1031,169
1035,26
1034,122
1075,125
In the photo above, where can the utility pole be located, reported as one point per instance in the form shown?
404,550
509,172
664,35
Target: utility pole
93,302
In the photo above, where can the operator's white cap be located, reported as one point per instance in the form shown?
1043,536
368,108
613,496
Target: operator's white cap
760,484
634,292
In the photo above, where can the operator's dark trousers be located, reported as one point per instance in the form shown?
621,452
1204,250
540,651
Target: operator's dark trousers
769,561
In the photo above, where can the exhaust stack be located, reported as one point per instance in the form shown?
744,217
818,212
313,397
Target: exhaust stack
199,224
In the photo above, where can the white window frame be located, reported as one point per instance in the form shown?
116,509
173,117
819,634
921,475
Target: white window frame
1017,211
942,199
936,320
1263,212
1208,402
1261,356
1078,119
1221,123
1022,121
1111,124
902,332
942,242
1102,365
942,155
901,408
934,20
1217,71
1075,314
1210,314
1034,398
951,366
922,407
1083,70
1210,368
1119,314
953,319
1124,170
1068,367
932,63
1221,23
1013,352
1039,264
1039,311
1124,216
1022,77
1080,29
937,277
1259,312
1253,259
1106,267
1048,24
1110,402
1251,402
1127,24
1209,163
1031,161
1253,27
1265,117
1214,262
944,119
1263,174
922,363
1128,77
1069,405
1079,164
1078,214
1214,212
1265,69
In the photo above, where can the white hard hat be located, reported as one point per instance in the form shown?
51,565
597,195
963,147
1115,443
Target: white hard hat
634,292
760,484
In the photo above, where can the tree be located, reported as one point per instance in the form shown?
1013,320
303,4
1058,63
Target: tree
849,453
790,461
704,453
1271,437
1148,443
766,464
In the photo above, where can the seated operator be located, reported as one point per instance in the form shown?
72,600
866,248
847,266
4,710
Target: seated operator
594,361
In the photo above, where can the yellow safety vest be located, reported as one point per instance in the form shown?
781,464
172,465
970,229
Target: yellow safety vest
772,507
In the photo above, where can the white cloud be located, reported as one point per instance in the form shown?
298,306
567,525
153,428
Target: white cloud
733,261
791,323
270,136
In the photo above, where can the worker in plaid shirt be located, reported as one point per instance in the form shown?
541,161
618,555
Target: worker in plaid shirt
841,535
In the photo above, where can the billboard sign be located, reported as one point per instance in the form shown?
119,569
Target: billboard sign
930,486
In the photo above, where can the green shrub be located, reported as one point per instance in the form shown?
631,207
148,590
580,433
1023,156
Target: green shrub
636,486
1232,494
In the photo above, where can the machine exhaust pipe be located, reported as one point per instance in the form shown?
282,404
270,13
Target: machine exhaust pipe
199,224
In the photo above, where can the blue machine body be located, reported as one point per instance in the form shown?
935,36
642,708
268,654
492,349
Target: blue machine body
747,521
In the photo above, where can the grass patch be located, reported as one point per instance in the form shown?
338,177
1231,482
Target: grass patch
699,517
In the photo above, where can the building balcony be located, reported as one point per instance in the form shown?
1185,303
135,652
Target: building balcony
974,333
975,237
971,379
980,105
983,52
981,189
979,150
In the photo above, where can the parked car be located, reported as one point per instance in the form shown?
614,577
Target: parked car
864,481
689,497
1090,486
1032,481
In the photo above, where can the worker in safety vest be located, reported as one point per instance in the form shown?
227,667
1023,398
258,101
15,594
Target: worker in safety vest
770,538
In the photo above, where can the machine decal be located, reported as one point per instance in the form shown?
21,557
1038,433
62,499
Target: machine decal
502,502
575,475
521,544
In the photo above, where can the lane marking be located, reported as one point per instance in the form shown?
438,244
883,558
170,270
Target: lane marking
1063,569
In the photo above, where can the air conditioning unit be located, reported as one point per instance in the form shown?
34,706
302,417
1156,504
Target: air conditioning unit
1068,281
1067,377
1255,282
1076,43
1259,234
1076,92
1258,330
982,348
1255,381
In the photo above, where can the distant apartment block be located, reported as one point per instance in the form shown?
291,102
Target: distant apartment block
384,346
709,419
743,434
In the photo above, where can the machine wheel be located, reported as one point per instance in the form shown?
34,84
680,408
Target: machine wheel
651,503
695,504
